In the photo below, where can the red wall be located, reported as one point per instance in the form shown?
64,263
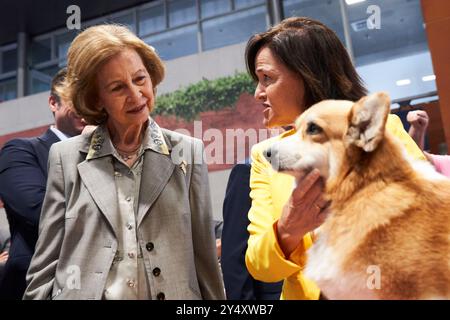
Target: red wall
246,115
23,134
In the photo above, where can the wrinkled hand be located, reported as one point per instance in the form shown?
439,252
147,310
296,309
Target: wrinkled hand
419,123
4,256
418,119
305,210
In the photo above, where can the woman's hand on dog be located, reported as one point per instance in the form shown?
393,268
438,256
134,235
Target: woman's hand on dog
305,211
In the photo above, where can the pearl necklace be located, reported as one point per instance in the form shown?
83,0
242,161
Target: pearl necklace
127,155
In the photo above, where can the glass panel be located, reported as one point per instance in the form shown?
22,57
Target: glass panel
151,20
211,8
182,12
62,43
9,62
234,28
126,20
62,63
176,43
50,71
238,4
41,79
41,51
327,12
38,85
8,89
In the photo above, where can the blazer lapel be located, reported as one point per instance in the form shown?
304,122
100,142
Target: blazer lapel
156,172
97,174
97,171
98,177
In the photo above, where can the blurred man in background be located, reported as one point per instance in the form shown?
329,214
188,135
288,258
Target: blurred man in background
23,178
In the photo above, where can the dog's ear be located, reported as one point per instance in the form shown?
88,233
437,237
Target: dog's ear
367,121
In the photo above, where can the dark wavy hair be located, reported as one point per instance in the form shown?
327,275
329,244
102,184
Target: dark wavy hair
312,50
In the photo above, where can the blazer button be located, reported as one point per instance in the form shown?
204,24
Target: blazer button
149,246
156,272
161,296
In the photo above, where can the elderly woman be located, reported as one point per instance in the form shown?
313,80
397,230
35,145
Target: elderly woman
125,215
296,64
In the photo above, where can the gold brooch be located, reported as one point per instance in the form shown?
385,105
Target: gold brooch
183,166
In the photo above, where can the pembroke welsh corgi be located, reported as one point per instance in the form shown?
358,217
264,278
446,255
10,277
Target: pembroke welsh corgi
387,235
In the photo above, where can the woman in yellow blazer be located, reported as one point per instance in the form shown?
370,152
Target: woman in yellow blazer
296,64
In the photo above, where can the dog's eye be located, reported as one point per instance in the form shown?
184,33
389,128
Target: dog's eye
313,129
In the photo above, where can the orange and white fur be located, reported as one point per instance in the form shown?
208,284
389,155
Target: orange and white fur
388,232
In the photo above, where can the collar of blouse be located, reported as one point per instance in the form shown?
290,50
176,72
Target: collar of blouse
100,144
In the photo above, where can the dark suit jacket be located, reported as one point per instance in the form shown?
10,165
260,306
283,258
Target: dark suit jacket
23,178
239,284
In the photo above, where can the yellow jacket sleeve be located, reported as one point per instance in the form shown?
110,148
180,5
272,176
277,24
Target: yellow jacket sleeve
264,258
395,126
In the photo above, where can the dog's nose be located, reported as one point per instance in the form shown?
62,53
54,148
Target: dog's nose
268,154
272,155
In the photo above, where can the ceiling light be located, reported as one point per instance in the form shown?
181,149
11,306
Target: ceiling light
429,78
403,82
350,2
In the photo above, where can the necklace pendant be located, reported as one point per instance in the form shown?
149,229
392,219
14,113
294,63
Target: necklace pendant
127,156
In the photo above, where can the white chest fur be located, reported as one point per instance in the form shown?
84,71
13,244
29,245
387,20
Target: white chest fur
324,267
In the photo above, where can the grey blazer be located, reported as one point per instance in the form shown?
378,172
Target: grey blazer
77,233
